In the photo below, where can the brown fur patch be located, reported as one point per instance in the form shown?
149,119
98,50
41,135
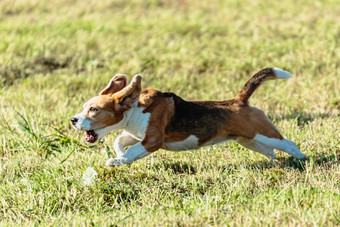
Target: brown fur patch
106,114
253,83
117,83
174,119
160,108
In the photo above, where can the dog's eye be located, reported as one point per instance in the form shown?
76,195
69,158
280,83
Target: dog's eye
92,109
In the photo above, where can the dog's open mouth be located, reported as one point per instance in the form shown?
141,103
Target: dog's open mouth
91,136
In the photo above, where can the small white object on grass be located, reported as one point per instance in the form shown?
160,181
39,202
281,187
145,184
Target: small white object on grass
89,176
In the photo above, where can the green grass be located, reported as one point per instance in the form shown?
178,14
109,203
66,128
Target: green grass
54,55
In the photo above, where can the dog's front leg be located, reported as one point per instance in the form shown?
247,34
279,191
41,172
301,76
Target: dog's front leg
122,141
132,154
140,149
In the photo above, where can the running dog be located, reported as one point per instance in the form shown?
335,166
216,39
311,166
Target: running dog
151,120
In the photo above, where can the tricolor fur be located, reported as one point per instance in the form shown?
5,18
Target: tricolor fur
152,120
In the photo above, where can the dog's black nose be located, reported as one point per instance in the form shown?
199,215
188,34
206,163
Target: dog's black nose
74,120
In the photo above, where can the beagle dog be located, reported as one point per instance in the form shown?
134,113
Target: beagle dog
152,120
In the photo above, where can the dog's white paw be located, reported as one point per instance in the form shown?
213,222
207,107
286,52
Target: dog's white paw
116,162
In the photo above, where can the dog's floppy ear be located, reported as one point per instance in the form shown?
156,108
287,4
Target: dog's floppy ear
117,83
131,92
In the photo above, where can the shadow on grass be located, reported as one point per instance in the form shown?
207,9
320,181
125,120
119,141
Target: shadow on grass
179,167
290,162
120,192
282,162
126,190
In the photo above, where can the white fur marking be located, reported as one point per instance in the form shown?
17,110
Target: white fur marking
284,145
138,122
102,132
281,74
82,123
132,154
135,122
189,143
125,139
256,146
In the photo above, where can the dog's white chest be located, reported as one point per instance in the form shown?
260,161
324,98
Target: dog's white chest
189,143
138,122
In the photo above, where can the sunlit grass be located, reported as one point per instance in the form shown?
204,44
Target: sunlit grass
56,55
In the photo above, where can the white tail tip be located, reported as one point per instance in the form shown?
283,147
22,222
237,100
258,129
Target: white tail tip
281,74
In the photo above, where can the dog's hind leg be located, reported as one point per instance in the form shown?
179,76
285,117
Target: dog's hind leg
259,128
284,145
256,146
122,141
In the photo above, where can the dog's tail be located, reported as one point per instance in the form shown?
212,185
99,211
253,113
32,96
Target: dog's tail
258,79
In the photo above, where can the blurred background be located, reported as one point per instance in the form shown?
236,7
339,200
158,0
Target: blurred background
55,55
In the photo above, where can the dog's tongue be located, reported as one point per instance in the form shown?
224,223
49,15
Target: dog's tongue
90,136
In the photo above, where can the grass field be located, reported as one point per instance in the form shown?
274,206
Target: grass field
55,55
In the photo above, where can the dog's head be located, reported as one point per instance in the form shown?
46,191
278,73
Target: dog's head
105,112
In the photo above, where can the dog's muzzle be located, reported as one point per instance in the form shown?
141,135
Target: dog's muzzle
74,120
